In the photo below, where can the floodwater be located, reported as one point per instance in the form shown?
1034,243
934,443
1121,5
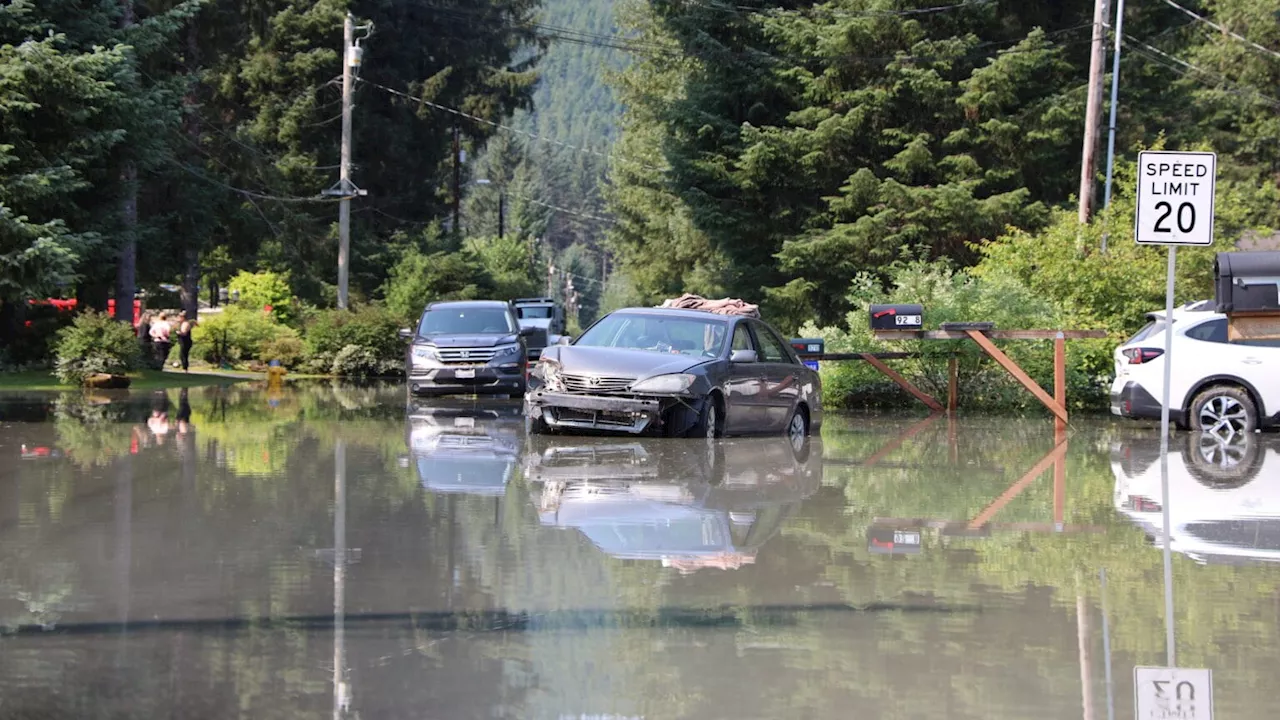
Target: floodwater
326,551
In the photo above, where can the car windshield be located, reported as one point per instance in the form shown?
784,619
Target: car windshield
533,313
658,333
465,320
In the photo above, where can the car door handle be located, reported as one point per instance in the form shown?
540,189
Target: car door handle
1251,361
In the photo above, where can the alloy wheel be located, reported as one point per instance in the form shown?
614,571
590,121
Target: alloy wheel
797,430
1223,416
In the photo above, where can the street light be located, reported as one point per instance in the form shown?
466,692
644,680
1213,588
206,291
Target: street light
502,197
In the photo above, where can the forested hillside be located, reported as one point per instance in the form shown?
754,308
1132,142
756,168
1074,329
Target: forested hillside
554,180
779,152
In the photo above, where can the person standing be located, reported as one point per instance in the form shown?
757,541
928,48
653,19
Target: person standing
160,332
144,336
185,327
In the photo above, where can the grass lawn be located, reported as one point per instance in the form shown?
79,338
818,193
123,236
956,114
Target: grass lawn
145,380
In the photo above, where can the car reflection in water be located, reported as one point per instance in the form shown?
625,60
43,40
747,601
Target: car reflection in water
464,447
691,504
1224,494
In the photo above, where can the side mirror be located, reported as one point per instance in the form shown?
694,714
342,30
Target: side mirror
564,340
527,331
744,357
405,333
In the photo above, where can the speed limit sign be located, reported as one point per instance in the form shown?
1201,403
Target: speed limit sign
1175,198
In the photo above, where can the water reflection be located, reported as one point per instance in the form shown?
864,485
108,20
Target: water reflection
1224,494
323,551
690,505
464,447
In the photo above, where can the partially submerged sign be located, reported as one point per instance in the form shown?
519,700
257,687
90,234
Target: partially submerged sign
1175,198
1173,693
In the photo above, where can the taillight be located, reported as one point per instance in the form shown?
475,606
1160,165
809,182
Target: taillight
1137,356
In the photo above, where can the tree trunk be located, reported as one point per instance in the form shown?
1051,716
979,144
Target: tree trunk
191,276
127,263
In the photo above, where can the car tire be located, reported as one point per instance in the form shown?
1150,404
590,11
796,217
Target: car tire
710,422
798,427
536,426
1223,463
1223,409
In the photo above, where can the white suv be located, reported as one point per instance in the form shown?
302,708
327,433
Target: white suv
1217,386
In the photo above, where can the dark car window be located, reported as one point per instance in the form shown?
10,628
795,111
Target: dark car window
534,313
742,338
1214,331
771,348
466,320
659,333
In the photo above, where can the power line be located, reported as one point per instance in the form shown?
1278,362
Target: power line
729,7
247,193
1154,55
491,123
1222,29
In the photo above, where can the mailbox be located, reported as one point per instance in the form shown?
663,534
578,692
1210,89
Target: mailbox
897,317
1247,282
809,346
883,540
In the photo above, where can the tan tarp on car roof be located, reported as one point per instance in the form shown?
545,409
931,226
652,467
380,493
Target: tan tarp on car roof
726,306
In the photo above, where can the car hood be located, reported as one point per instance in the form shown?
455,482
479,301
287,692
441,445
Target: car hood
615,361
478,340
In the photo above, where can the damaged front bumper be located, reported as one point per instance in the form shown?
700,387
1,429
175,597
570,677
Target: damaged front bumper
605,413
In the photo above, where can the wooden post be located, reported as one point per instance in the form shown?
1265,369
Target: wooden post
902,382
1060,381
1018,374
953,384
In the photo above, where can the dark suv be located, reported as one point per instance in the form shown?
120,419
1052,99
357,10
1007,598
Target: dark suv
464,348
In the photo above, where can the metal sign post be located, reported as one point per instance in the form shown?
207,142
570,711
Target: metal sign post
1175,202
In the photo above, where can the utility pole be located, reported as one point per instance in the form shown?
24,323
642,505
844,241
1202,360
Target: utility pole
344,167
457,178
502,202
345,189
1097,58
1115,101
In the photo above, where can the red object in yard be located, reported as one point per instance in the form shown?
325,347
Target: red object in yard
70,306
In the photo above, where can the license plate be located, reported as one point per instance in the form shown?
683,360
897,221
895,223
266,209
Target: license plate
464,422
464,374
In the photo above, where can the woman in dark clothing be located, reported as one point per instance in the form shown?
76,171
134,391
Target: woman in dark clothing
144,337
184,340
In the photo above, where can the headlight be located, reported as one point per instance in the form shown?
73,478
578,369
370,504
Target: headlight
506,350
664,384
424,353
548,371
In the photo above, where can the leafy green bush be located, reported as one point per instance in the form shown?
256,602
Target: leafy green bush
370,327
287,348
238,334
95,343
264,289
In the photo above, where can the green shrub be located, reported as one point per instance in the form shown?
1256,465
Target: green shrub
419,278
950,296
264,289
238,334
360,361
288,349
95,343
372,327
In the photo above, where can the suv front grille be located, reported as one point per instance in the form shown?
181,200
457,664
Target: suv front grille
596,383
471,356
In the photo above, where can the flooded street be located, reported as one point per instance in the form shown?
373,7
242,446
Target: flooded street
326,551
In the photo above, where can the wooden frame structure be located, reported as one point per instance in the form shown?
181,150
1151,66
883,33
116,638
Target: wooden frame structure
1055,403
